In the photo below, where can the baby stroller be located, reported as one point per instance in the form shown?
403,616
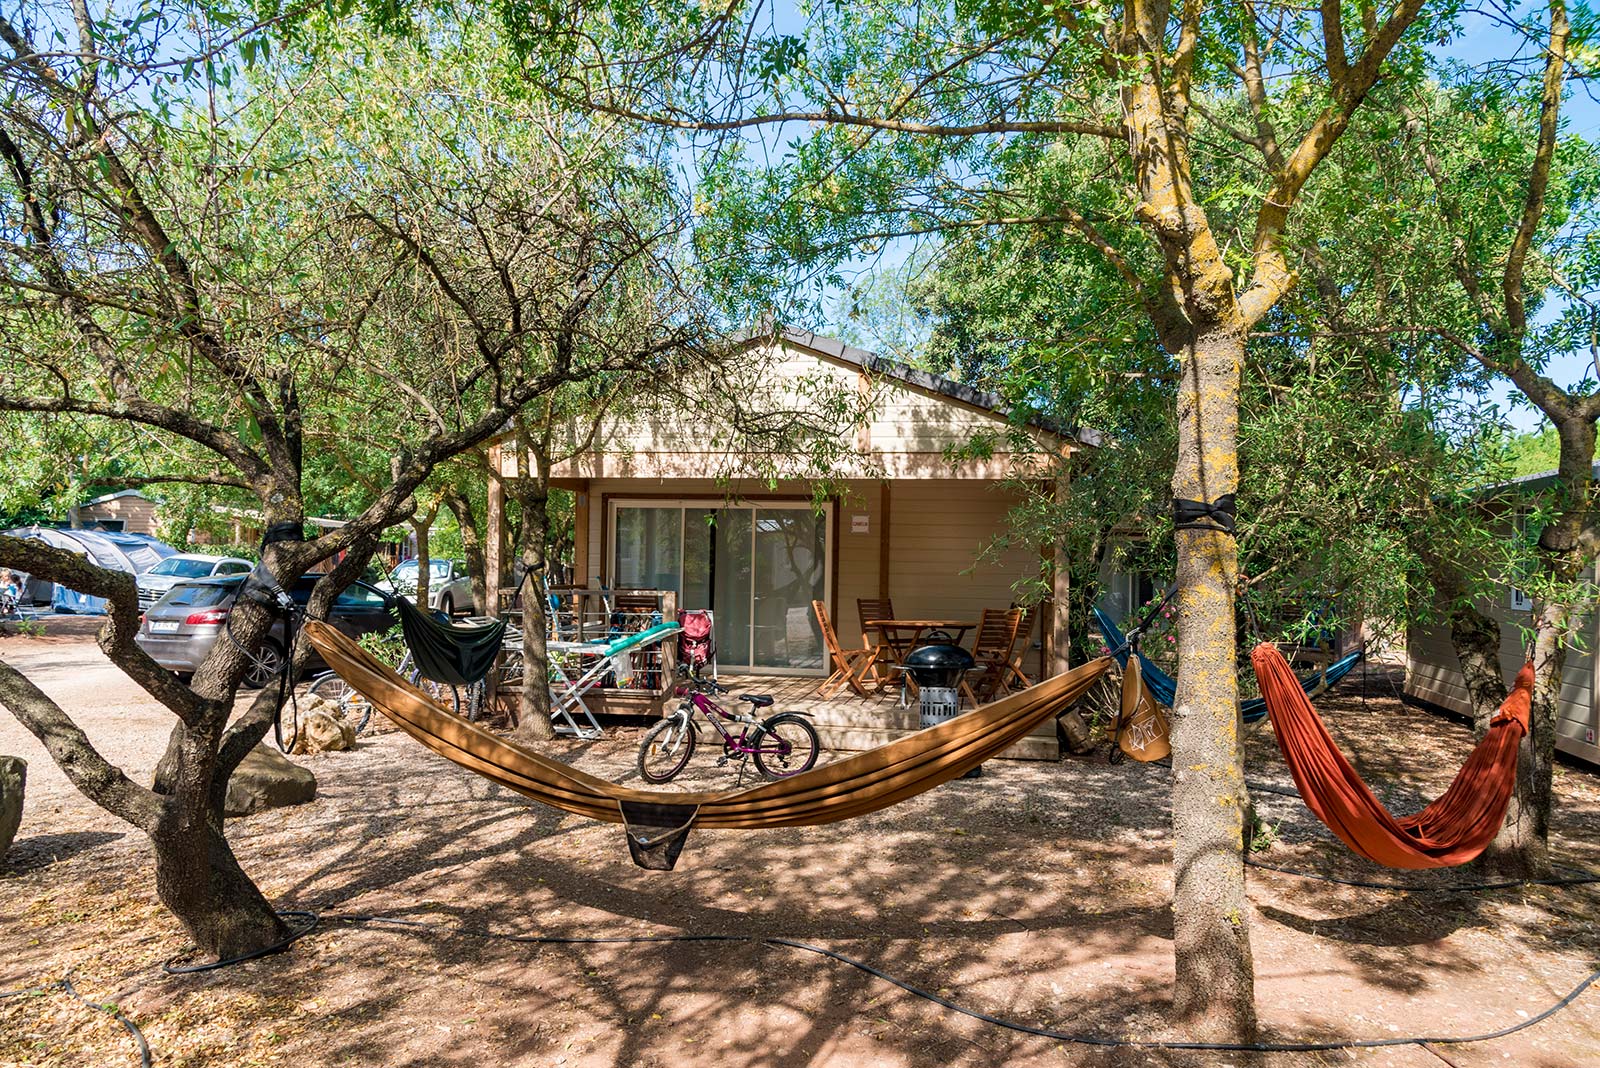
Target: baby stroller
697,645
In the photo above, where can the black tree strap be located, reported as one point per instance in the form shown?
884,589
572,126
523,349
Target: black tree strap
1220,515
283,532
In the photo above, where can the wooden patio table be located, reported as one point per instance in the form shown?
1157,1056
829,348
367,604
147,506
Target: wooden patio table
902,635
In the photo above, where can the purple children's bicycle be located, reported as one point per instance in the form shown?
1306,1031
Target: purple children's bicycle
783,745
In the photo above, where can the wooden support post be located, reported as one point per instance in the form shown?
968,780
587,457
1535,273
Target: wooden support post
494,547
580,536
883,540
494,544
1058,642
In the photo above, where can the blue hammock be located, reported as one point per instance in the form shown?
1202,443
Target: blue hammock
1164,688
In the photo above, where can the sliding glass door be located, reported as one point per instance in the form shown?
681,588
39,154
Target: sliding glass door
757,567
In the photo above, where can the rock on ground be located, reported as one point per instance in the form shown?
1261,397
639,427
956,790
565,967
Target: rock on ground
264,779
323,729
13,780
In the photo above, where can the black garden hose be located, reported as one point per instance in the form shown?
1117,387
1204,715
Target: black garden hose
1101,1041
65,984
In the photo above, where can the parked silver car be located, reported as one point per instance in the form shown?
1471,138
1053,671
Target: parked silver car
179,630
185,567
449,585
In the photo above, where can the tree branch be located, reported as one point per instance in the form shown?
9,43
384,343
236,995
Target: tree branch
840,117
99,780
122,616
1539,177
1271,277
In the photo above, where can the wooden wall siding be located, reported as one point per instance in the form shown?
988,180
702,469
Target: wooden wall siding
939,529
1433,674
856,566
906,436
138,514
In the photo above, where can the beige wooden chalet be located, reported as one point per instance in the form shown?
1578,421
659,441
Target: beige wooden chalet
128,510
662,504
1433,672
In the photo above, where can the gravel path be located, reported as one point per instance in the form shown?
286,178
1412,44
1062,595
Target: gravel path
1038,892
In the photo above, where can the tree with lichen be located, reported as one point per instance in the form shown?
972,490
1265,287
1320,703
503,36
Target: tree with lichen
1477,214
916,118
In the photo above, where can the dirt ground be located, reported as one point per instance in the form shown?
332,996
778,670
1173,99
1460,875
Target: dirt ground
1038,893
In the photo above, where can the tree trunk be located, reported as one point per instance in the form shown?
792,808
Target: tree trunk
1476,640
533,709
1522,848
421,526
472,547
200,882
1215,989
197,876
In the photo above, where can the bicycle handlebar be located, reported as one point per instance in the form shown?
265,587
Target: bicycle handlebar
711,686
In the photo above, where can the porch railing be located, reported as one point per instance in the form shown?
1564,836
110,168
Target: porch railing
581,614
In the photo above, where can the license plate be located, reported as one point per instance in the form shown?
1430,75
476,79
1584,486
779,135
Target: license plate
161,627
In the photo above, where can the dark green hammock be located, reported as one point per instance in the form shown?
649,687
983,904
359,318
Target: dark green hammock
444,652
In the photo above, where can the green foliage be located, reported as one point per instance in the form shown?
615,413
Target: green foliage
1532,453
387,645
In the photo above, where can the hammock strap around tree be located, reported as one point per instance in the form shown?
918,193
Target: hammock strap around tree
1452,830
843,789
1221,515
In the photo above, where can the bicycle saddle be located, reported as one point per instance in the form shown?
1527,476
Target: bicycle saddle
759,700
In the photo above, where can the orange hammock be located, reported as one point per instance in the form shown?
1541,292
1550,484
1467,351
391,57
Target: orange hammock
1453,830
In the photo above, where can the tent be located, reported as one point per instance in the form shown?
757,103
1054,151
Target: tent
111,549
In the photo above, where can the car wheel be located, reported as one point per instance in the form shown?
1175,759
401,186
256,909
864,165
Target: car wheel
447,605
266,661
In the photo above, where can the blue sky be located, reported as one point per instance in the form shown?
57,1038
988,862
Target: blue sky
1486,37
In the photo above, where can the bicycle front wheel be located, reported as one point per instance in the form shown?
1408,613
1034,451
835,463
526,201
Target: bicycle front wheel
666,749
354,707
441,692
786,745
477,702
511,667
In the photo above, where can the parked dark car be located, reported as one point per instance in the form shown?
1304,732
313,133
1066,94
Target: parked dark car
179,629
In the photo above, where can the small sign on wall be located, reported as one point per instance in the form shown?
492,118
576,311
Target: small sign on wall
1520,602
858,523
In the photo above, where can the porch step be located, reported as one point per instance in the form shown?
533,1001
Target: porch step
846,714
1036,746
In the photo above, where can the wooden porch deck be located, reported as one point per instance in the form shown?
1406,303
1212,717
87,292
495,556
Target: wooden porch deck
845,722
850,723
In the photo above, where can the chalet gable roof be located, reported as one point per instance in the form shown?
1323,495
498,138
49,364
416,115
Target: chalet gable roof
107,498
938,385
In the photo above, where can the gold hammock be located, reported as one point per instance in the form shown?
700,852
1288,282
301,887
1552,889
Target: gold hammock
657,821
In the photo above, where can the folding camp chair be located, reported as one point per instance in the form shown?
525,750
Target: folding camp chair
876,608
992,647
1015,676
850,666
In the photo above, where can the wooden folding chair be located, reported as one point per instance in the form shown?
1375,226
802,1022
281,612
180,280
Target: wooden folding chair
876,608
850,666
1015,676
992,649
